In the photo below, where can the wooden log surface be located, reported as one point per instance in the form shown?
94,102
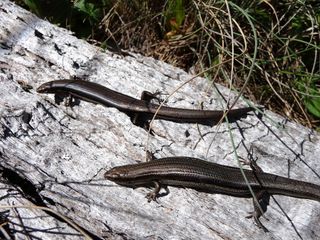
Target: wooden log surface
55,156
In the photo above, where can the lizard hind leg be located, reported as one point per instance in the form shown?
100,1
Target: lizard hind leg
152,196
263,198
148,96
140,119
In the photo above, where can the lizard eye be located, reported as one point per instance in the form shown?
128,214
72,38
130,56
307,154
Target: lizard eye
114,174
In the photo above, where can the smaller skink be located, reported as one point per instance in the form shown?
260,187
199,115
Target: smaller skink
211,178
140,111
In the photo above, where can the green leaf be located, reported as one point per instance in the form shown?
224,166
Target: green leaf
313,106
88,9
175,11
313,103
34,6
179,12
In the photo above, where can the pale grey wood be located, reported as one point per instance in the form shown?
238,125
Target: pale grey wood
67,150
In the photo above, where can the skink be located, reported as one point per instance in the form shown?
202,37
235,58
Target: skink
211,178
139,110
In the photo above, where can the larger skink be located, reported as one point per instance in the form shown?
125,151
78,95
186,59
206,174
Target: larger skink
144,109
211,178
